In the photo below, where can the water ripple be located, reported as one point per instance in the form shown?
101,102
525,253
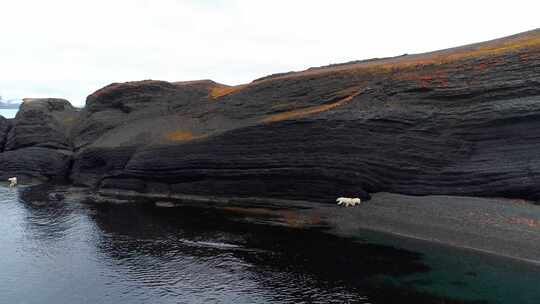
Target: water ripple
69,252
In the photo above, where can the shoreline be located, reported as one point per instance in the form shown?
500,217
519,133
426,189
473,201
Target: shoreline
499,227
495,226
473,249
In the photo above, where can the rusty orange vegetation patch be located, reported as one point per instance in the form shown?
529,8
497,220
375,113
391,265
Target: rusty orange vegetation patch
309,110
509,45
179,135
489,49
219,91
398,64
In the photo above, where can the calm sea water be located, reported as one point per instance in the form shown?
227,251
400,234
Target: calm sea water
72,252
8,113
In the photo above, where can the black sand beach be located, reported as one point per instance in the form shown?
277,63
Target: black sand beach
499,226
503,227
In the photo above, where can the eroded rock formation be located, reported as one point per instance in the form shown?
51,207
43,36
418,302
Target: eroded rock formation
38,142
461,121
5,125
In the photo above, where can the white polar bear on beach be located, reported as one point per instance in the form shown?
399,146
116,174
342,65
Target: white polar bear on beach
347,201
12,182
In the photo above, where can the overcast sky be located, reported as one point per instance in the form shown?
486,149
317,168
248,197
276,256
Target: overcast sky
70,48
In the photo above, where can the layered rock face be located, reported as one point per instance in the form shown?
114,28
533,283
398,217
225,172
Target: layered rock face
5,125
38,142
461,121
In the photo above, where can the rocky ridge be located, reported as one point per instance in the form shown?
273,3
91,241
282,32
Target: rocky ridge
461,121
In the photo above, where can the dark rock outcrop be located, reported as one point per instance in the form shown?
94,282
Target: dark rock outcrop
42,123
5,125
461,121
38,143
121,104
36,162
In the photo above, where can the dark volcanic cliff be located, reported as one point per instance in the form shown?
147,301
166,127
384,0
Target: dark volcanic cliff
460,121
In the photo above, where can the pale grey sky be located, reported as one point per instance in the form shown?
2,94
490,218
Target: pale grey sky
70,48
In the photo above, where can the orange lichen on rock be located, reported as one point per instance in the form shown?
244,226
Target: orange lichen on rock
222,90
206,82
309,110
179,135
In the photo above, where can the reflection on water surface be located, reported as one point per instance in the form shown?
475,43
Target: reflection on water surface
70,252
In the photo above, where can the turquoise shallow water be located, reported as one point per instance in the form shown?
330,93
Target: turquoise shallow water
465,274
72,252
8,113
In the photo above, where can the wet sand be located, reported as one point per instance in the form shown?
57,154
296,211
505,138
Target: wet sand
502,227
497,226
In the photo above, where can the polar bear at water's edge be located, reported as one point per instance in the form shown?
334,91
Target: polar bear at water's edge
12,182
348,201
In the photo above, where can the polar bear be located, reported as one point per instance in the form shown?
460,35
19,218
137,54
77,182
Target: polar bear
12,182
347,201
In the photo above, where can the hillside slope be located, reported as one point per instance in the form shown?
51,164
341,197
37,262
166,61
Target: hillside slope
463,121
